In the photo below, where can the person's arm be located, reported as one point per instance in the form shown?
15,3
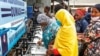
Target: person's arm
86,38
80,36
52,51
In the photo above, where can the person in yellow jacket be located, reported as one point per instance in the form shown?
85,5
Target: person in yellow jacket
66,43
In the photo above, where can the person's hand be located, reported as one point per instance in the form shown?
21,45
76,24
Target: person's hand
80,36
39,42
50,50
87,40
51,42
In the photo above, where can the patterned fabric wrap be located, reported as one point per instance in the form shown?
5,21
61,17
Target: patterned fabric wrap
93,48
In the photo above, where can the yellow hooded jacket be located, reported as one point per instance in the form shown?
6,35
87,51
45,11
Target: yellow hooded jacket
66,39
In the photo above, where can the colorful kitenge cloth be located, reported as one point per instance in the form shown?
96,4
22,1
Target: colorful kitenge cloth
93,48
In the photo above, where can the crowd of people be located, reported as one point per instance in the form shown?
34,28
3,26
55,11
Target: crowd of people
71,35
